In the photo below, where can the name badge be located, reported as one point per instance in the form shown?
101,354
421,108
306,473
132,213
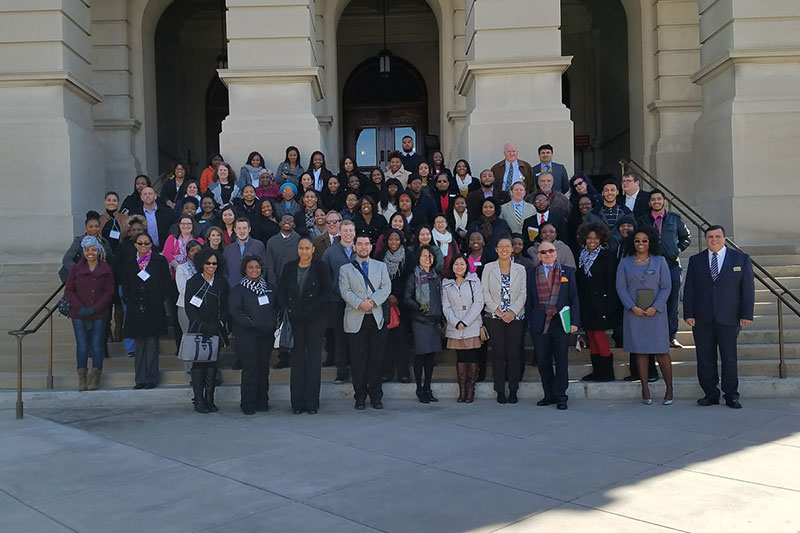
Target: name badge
737,269
113,234
649,272
263,300
196,301
143,275
477,263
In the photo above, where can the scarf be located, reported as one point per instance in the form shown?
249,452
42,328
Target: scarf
442,240
422,291
460,221
143,261
586,260
487,228
394,260
189,266
548,294
258,287
463,185
309,215
254,173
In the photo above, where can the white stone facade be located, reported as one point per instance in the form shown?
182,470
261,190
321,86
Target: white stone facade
713,97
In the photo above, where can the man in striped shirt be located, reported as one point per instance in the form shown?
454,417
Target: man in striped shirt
609,210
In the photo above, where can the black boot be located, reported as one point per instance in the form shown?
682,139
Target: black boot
633,369
606,368
596,366
422,395
198,386
211,384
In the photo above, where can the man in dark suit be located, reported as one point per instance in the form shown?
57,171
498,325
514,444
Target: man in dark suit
159,217
475,198
511,170
718,300
633,197
243,246
327,239
410,158
548,166
551,287
543,214
420,199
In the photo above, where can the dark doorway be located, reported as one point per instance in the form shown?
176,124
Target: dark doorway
217,108
379,111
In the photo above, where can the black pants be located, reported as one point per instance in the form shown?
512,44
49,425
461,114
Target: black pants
708,340
253,349
366,355
552,347
172,309
395,359
341,344
306,363
146,360
504,340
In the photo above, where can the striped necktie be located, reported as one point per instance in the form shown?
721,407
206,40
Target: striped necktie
714,266
518,214
509,177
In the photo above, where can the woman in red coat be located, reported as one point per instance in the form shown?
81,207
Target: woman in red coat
89,289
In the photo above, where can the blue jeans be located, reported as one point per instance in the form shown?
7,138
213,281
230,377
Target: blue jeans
90,337
127,342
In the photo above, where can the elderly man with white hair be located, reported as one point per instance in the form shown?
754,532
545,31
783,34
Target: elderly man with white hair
511,170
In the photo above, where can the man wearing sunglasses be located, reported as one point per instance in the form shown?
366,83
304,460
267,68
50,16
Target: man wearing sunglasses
551,288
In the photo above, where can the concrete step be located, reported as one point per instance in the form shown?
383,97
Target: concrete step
770,260
764,295
790,282
750,336
33,289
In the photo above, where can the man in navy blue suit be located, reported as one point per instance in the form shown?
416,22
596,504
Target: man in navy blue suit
551,287
718,299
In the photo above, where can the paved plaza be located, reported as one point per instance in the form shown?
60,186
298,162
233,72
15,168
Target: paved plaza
614,466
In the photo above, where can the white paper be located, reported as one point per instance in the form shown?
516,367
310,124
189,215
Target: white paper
263,300
113,234
143,275
196,301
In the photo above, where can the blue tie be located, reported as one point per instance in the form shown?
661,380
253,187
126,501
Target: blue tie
714,266
365,268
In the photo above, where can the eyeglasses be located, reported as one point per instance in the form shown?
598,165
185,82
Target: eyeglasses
333,221
209,263
144,243
545,252
638,241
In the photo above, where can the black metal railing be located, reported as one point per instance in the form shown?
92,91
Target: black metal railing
783,295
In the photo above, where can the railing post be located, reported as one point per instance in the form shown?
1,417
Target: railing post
19,376
781,355
50,357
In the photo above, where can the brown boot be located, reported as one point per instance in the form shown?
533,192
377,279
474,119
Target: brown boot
81,379
461,371
94,379
469,385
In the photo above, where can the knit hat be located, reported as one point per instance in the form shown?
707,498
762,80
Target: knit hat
289,184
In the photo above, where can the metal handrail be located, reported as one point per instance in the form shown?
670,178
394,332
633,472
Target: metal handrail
780,291
24,331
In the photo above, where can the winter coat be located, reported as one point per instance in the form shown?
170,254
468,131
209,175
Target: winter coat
212,316
600,305
87,288
463,303
310,303
247,315
146,315
75,254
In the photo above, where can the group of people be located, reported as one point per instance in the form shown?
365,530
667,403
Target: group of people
363,264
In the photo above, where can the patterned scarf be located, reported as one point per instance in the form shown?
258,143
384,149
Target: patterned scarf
547,290
143,261
586,260
422,291
259,287
394,260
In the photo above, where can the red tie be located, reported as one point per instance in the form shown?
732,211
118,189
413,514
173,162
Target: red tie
542,221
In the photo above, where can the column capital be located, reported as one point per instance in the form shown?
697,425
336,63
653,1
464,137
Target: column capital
732,57
471,69
64,78
275,75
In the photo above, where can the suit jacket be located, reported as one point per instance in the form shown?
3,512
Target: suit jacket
499,171
490,279
475,199
641,208
557,202
533,222
310,303
567,295
322,243
507,214
560,177
724,301
354,290
233,260
164,219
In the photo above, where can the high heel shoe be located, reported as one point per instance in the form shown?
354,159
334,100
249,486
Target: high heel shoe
647,401
668,401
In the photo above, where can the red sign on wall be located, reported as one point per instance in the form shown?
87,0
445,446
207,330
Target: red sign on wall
581,141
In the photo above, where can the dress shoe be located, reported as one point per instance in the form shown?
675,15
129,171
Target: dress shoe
561,406
360,406
647,401
512,397
405,379
501,397
431,397
339,381
668,401
149,386
377,405
653,379
298,411
544,402
631,378
422,395
312,411
138,386
733,404
706,401
247,410
675,344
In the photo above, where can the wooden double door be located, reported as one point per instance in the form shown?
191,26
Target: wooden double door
371,132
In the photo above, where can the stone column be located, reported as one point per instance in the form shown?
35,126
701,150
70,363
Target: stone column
745,141
113,117
53,163
512,81
273,79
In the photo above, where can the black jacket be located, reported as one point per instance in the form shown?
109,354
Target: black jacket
312,302
600,305
212,315
146,315
434,314
675,236
165,217
247,315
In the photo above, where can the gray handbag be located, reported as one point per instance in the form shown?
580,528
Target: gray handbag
196,350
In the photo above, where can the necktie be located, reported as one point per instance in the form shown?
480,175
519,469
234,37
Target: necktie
659,222
541,220
518,213
509,177
714,266
365,268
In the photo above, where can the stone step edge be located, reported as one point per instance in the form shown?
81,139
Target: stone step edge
529,392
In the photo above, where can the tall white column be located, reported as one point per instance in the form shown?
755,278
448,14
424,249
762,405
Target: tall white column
273,79
53,163
746,138
512,81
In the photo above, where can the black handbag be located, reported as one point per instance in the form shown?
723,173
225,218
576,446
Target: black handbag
386,307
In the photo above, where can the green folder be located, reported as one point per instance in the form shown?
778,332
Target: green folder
566,318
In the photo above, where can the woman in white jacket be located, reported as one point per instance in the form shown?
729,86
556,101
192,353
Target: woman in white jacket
462,303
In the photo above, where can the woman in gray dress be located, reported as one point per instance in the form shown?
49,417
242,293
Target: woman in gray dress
423,299
643,285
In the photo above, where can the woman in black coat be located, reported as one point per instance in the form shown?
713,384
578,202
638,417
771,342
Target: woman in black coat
207,309
146,281
600,306
491,226
304,292
399,262
252,307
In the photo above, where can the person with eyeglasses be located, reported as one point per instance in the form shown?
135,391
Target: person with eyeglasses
322,243
206,304
643,285
551,288
146,282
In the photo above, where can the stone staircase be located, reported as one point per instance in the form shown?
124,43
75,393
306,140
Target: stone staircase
24,287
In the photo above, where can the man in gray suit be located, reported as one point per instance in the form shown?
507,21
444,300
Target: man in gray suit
243,246
517,210
548,166
364,285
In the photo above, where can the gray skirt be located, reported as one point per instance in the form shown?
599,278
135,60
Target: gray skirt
427,337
